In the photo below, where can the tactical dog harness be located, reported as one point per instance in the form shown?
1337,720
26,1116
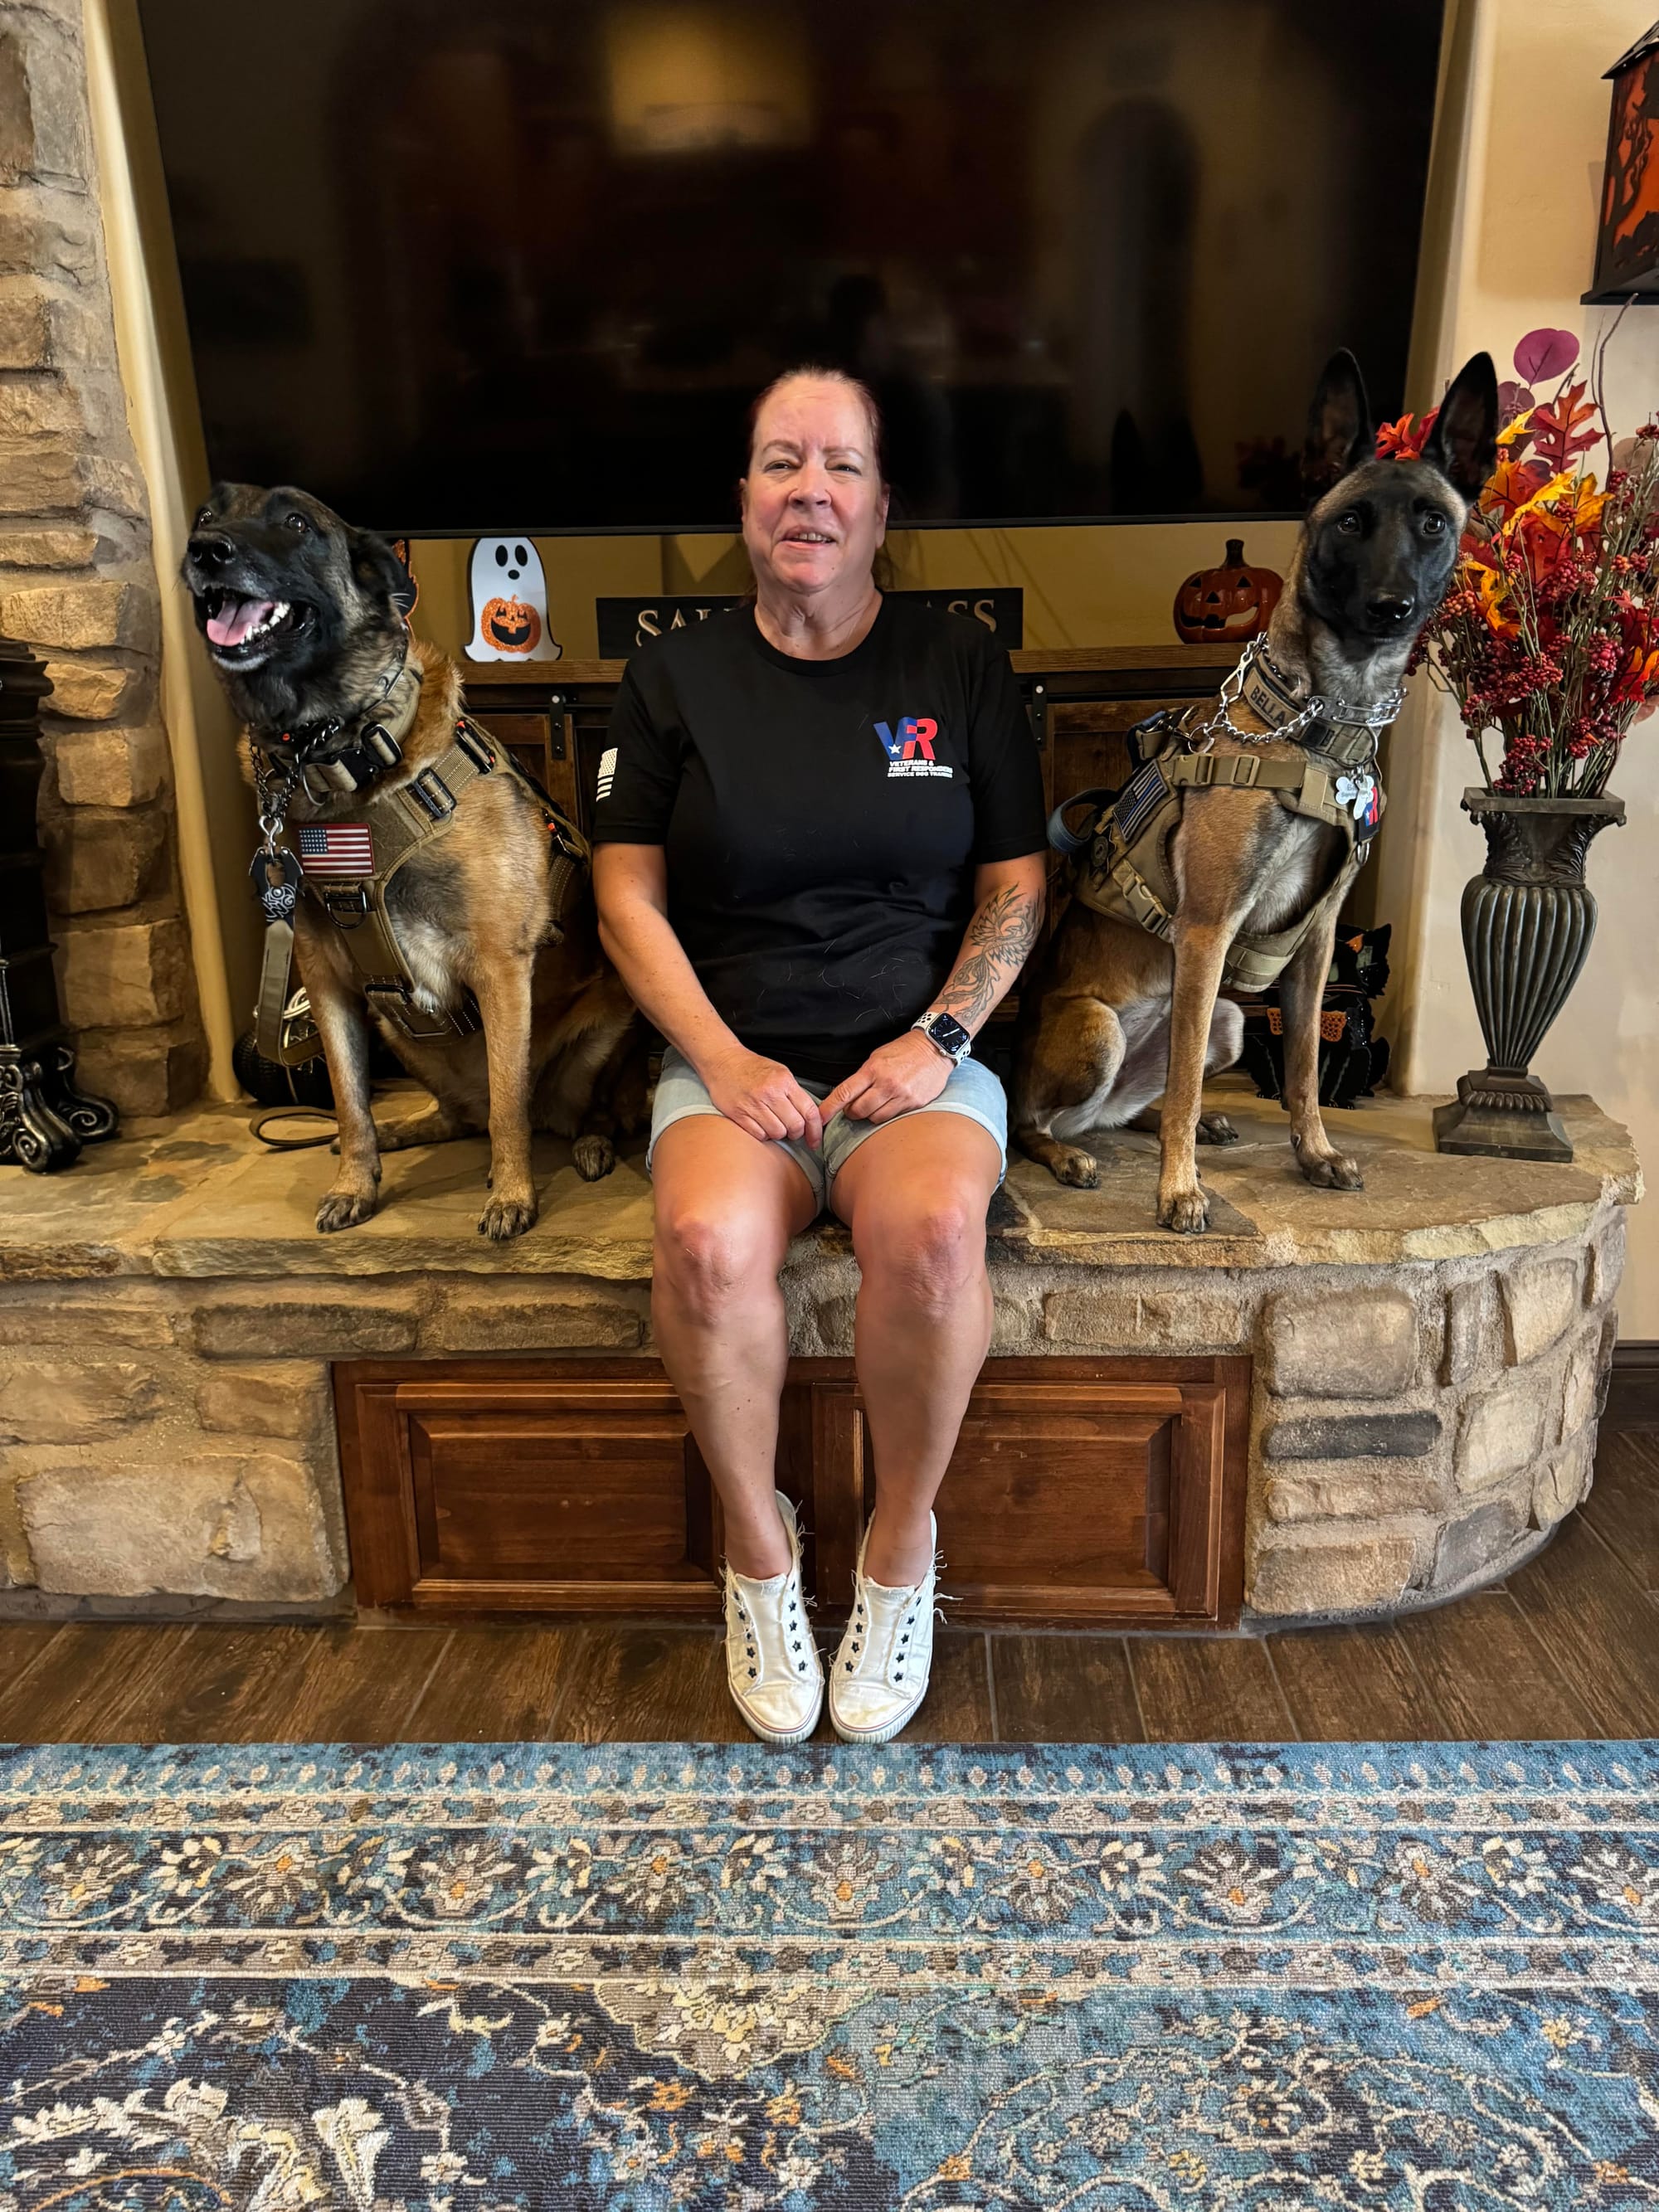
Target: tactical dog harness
348,867
1128,874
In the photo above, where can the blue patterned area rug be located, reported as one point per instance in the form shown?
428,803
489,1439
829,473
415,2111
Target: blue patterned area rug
460,1979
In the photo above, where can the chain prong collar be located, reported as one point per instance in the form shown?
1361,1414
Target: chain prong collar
1315,709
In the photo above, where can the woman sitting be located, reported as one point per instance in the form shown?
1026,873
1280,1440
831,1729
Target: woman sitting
820,834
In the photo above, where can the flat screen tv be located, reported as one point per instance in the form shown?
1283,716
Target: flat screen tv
522,264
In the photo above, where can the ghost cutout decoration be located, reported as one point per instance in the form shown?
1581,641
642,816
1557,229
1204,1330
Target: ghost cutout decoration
508,592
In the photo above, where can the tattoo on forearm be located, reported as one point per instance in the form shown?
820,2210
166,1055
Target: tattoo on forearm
998,938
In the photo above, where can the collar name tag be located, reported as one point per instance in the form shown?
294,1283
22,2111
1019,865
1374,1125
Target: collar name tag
1263,696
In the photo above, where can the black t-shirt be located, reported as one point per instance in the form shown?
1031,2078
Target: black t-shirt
823,819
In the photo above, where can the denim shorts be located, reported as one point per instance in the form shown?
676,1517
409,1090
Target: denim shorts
972,1089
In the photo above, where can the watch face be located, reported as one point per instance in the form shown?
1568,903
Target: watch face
947,1032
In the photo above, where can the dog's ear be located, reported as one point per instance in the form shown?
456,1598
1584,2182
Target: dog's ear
1341,432
1463,443
212,507
376,566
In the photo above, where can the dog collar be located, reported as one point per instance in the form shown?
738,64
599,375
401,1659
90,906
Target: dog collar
344,755
1268,692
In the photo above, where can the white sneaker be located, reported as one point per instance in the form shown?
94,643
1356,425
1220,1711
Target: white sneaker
886,1652
772,1665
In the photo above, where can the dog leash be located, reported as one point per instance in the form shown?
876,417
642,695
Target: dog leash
259,1127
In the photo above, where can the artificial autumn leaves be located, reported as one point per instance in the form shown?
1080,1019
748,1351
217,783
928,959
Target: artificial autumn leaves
1550,633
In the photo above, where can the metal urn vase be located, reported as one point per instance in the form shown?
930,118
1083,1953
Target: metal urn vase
1529,918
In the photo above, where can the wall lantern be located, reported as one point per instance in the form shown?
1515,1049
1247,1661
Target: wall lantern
1627,241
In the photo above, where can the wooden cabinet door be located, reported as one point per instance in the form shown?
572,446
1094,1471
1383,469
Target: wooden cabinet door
1089,741
573,1493
1071,1497
1106,1492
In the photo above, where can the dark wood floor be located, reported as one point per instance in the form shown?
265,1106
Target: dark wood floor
1569,1647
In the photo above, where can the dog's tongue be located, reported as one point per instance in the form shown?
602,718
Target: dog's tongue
236,618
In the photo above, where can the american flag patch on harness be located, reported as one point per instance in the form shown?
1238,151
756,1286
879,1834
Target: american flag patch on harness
337,848
1141,796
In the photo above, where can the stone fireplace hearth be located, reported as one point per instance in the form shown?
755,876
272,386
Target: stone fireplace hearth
77,584
1428,1358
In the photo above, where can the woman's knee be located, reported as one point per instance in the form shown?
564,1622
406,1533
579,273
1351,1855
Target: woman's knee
712,1258
929,1247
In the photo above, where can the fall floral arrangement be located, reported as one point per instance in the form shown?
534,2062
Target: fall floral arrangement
1550,632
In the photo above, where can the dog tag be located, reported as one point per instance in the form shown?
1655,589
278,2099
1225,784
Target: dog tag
275,877
1358,794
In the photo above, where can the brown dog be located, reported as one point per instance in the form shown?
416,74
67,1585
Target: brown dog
344,711
1244,836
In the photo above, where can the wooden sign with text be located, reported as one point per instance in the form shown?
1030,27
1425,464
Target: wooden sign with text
626,624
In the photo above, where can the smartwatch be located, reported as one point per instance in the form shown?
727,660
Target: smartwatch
946,1031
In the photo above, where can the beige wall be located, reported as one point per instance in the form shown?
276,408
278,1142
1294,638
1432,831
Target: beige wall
1105,584
1524,121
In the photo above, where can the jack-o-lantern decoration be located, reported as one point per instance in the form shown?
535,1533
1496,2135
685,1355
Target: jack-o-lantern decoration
1226,606
511,626
507,589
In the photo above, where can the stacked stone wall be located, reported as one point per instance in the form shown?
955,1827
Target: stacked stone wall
77,583
179,1438
1414,1430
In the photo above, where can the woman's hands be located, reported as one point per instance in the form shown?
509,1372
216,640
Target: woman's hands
762,1098
895,1079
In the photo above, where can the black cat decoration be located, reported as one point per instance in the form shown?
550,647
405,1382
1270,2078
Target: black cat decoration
1352,1058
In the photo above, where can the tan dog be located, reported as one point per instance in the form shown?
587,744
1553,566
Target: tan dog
304,619
1123,1006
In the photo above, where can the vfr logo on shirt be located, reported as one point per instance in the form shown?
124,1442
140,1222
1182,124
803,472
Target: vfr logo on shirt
909,749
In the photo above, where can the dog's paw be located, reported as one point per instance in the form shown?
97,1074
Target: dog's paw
1185,1212
1334,1172
505,1218
344,1209
1080,1169
594,1157
1216,1129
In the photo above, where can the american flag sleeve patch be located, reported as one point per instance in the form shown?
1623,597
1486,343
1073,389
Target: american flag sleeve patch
337,848
1140,799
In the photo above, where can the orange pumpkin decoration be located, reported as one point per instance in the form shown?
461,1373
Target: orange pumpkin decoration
511,625
1229,605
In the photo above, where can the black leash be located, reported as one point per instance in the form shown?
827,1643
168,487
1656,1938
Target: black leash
261,1121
